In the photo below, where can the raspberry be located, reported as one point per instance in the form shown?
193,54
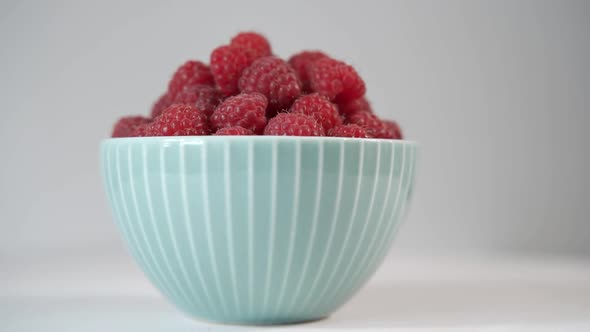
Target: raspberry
336,80
227,64
179,120
273,78
190,73
319,108
126,125
367,120
389,129
246,110
350,130
255,43
191,132
293,124
233,131
300,62
141,130
161,104
353,106
202,97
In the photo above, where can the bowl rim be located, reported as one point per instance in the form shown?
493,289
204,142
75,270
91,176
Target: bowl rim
254,138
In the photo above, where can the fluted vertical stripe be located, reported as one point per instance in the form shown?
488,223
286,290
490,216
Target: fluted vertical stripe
395,210
352,221
393,219
406,206
294,222
108,178
305,302
189,228
151,263
250,228
207,217
229,223
273,221
335,290
402,207
124,227
196,298
126,220
110,174
396,219
316,213
380,228
169,272
115,202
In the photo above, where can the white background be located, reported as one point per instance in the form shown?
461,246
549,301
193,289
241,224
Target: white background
497,93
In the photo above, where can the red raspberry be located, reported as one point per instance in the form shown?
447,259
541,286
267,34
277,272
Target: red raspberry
256,44
179,120
246,110
336,80
293,124
234,131
273,78
190,73
350,130
126,125
319,108
353,106
300,62
161,104
227,64
202,97
389,129
367,120
191,132
141,130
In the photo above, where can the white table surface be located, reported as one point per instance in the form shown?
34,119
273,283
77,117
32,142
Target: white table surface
418,294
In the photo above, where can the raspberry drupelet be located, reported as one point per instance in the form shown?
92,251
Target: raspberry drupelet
275,79
180,120
335,80
349,130
190,73
227,64
126,125
293,124
319,108
256,44
234,131
246,110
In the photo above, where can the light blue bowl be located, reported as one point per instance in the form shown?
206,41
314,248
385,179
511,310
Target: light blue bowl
258,229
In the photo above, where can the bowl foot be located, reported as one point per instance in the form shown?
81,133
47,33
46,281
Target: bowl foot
254,321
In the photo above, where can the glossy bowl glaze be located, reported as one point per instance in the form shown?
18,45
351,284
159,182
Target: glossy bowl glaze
258,229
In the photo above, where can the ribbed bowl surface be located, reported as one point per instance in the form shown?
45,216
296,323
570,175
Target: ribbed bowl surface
258,230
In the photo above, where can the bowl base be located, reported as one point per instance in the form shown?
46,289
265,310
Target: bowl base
258,322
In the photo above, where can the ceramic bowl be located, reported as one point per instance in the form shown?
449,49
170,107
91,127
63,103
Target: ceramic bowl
258,229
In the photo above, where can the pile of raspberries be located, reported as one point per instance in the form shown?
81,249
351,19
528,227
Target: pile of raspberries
246,90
